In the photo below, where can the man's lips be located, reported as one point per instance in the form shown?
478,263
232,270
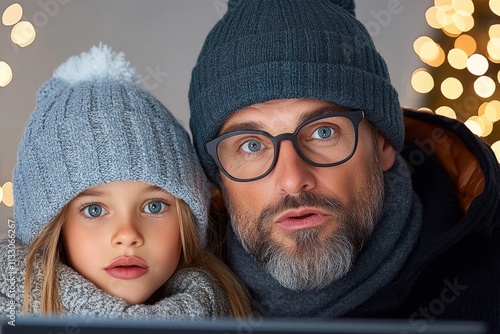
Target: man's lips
127,267
298,219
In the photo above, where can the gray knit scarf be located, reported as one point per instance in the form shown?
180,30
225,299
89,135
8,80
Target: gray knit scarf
377,264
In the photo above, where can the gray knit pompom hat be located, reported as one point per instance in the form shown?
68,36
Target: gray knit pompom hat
93,124
264,50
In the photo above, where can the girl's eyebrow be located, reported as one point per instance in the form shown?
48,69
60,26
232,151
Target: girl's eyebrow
152,187
100,193
92,192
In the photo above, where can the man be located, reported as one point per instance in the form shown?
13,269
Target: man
333,211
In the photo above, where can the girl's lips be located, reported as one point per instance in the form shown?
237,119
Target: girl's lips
299,219
127,273
127,267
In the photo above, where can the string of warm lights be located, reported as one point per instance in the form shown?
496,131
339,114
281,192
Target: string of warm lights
463,69
23,34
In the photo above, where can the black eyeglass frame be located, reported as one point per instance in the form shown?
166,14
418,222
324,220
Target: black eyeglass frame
355,116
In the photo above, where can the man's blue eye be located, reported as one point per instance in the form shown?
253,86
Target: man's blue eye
251,146
93,210
323,132
155,207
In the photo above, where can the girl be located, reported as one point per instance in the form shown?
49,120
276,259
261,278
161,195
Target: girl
112,201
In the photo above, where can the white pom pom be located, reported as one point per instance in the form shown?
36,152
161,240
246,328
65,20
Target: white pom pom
100,63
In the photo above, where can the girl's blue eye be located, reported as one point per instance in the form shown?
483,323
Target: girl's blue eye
155,207
93,210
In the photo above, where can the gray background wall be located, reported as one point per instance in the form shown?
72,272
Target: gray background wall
161,39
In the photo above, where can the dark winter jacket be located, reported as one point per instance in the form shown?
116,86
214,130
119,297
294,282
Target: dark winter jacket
454,270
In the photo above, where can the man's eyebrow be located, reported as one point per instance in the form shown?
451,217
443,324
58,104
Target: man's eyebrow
250,125
254,125
318,112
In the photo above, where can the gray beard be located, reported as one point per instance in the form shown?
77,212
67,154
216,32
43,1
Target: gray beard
325,261
315,262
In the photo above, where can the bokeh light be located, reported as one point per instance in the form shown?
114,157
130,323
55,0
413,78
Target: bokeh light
5,74
422,81
446,111
12,14
491,110
429,51
463,21
439,60
488,126
466,6
477,64
496,149
23,33
484,87
417,45
493,48
457,58
474,125
8,195
495,6
452,88
466,43
494,30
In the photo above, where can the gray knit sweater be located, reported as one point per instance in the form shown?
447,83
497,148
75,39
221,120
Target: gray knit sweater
191,293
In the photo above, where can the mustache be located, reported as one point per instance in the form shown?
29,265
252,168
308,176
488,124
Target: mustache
303,199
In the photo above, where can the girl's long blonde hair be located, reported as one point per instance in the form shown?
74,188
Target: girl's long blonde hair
48,247
194,256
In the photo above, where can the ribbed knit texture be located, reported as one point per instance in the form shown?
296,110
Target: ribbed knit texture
263,50
92,127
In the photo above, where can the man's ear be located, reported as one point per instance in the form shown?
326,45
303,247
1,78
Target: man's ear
386,151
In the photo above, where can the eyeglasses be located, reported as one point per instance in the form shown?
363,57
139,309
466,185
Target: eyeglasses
324,141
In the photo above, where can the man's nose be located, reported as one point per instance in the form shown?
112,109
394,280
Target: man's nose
291,172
